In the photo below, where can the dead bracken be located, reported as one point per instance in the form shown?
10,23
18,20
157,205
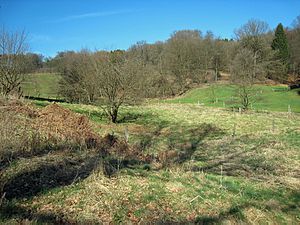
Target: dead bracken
57,122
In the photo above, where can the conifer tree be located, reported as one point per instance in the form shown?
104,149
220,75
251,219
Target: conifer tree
280,44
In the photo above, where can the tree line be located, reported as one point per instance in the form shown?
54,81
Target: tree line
163,69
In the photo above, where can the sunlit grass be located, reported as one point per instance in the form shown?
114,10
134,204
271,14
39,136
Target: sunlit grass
271,98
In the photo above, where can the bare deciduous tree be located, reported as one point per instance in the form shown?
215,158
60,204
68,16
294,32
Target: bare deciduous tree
118,81
78,77
251,36
253,28
183,57
294,42
12,64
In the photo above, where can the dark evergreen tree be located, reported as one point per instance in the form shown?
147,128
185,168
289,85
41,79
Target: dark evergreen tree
280,44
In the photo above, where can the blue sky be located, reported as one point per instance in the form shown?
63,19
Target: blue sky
58,25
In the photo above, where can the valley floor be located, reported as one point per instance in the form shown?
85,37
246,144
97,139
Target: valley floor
210,165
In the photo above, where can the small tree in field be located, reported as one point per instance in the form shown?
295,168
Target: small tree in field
118,81
12,60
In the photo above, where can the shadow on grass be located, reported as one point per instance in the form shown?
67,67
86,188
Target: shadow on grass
12,214
64,170
111,166
10,157
49,175
235,212
288,203
68,169
236,159
227,161
124,116
61,173
46,176
143,118
130,117
194,138
180,141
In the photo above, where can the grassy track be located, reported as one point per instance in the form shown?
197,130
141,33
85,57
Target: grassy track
43,85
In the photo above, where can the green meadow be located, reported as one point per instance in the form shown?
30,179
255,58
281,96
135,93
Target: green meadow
271,98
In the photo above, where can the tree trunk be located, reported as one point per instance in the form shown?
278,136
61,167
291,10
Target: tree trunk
114,114
216,72
254,68
245,98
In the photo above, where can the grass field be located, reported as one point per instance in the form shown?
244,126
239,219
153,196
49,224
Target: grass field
230,168
272,98
43,85
211,165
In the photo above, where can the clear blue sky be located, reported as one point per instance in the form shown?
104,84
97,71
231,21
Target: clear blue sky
58,25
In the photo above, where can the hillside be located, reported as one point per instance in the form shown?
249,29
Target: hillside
44,85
